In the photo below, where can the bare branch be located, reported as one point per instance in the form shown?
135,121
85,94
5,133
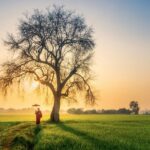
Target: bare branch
54,47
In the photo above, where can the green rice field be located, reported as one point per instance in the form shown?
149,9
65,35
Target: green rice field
75,132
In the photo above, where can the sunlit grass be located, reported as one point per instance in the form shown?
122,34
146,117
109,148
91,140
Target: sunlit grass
73,118
77,132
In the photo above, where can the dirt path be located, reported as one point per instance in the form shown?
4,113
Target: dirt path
22,133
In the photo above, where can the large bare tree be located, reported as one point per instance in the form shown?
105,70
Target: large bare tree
54,47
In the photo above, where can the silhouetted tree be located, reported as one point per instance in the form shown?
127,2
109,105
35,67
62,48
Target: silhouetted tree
55,48
134,106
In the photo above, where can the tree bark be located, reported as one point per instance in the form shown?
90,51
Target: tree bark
54,117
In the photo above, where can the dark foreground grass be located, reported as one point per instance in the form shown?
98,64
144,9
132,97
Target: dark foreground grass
79,132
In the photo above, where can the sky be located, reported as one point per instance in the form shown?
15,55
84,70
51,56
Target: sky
121,63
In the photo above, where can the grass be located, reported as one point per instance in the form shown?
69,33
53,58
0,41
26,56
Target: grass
76,132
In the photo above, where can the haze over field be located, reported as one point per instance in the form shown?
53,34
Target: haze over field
122,55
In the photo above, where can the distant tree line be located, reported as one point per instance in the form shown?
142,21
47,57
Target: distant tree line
133,109
19,111
94,111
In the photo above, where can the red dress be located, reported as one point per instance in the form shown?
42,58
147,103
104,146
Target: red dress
38,116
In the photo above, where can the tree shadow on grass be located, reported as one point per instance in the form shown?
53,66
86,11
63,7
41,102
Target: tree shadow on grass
92,141
80,121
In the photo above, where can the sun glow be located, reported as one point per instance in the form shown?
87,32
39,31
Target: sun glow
34,84
30,86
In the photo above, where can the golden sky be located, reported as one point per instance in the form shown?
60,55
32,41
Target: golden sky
122,55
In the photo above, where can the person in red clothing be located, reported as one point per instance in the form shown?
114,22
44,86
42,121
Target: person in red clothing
38,114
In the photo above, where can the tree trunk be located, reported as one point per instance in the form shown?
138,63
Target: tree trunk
54,117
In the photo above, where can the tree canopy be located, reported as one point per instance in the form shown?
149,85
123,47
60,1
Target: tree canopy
54,48
134,106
